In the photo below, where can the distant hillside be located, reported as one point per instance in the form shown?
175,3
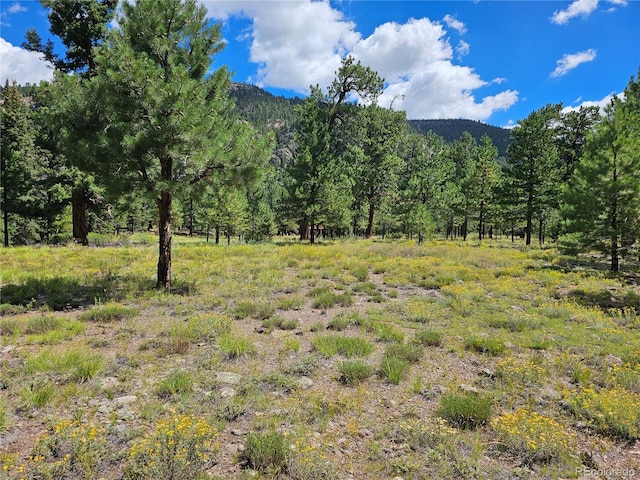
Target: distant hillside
452,129
267,111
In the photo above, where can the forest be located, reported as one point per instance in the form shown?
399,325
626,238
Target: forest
136,133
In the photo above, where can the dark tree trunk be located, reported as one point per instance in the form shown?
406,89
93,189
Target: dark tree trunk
464,228
304,227
5,217
192,216
312,233
164,242
217,234
480,224
372,212
79,203
615,263
541,231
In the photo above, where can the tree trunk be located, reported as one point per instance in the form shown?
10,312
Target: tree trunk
372,211
79,216
465,225
303,229
5,217
541,231
164,229
615,263
480,224
217,234
192,216
312,233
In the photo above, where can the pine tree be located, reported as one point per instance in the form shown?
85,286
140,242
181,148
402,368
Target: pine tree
168,126
602,201
533,165
20,164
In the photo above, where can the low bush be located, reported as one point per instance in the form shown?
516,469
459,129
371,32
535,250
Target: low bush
467,410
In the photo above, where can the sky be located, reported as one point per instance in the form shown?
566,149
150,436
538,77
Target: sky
493,61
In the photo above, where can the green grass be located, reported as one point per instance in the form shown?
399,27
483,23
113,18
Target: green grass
177,382
354,372
111,312
266,452
394,369
467,410
236,346
490,346
330,345
532,330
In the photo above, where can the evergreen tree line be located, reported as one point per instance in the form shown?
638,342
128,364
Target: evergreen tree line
137,133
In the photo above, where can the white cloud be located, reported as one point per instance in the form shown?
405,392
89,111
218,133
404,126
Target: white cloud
569,61
576,9
16,7
462,49
594,103
295,43
300,43
582,8
21,65
455,24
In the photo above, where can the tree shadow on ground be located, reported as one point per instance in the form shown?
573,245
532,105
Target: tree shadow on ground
60,293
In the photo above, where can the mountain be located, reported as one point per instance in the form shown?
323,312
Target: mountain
452,129
270,112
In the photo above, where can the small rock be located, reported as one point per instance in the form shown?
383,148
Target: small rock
227,392
468,388
237,432
305,383
109,382
240,447
364,432
125,400
228,377
487,372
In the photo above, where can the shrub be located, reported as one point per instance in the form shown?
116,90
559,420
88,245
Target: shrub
611,412
361,272
429,338
330,345
410,353
491,346
330,299
354,372
394,369
111,312
281,323
234,346
466,410
304,366
181,446
176,383
4,421
37,392
42,324
522,374
69,446
256,310
532,437
266,452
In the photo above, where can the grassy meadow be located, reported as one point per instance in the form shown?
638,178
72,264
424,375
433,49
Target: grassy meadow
343,360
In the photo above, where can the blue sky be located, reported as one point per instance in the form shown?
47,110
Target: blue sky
494,61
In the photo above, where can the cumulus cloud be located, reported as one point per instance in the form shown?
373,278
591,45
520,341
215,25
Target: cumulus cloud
16,7
576,9
295,44
569,61
455,24
21,65
582,8
462,49
300,43
594,103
